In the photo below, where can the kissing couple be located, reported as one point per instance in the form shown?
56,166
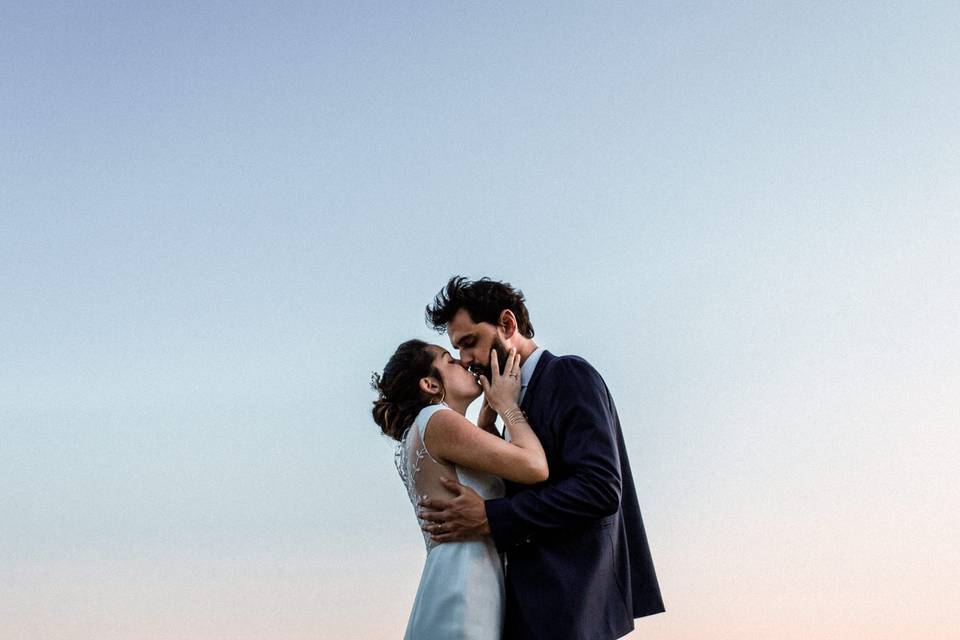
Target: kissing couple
532,533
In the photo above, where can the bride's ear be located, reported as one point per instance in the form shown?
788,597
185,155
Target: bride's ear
429,386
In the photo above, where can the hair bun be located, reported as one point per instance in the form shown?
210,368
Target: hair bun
399,399
381,413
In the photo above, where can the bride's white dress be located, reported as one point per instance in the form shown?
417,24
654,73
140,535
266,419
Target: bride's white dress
461,593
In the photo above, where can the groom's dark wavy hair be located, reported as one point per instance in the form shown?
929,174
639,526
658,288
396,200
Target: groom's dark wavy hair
484,300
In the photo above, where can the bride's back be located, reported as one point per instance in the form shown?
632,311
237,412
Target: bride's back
421,472
461,592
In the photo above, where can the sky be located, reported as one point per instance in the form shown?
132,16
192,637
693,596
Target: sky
218,219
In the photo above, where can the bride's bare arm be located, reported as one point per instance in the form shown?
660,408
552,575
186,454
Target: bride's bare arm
454,438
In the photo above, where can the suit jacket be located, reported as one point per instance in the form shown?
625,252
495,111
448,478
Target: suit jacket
578,562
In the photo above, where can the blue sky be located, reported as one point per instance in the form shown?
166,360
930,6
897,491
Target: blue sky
217,220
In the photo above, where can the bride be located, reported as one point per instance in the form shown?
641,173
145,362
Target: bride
424,395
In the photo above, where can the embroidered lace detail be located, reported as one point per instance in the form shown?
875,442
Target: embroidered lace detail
408,469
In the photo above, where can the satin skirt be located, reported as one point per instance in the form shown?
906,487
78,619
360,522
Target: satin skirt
461,594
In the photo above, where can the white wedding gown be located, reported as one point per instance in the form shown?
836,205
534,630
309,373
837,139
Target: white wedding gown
461,593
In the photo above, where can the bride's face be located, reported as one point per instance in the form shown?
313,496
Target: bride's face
458,382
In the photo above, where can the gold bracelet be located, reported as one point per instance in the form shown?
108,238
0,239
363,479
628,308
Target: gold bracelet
514,415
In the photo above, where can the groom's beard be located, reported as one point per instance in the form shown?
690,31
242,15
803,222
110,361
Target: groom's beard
502,354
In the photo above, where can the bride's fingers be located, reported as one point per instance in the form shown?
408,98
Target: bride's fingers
508,365
494,364
510,369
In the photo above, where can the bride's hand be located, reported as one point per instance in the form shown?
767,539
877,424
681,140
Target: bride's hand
503,391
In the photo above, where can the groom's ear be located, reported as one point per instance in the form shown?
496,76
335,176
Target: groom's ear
507,323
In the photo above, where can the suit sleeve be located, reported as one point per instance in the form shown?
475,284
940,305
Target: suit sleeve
580,415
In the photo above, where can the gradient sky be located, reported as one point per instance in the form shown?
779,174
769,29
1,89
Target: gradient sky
216,220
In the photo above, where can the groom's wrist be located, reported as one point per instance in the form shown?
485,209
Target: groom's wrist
485,525
489,426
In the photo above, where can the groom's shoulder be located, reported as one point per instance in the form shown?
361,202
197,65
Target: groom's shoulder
570,366
569,360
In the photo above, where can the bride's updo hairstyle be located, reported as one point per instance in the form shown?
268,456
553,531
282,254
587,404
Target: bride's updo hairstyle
399,387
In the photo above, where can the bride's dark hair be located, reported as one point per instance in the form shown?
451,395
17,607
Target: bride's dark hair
399,387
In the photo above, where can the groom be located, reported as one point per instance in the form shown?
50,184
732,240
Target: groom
578,563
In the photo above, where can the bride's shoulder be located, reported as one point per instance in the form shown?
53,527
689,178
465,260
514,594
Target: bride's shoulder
431,410
441,416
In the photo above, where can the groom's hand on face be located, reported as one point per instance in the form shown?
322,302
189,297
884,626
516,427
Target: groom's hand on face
463,517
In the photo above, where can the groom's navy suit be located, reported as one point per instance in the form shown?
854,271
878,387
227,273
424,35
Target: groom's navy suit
578,562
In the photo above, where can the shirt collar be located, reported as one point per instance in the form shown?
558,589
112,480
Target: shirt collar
529,366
